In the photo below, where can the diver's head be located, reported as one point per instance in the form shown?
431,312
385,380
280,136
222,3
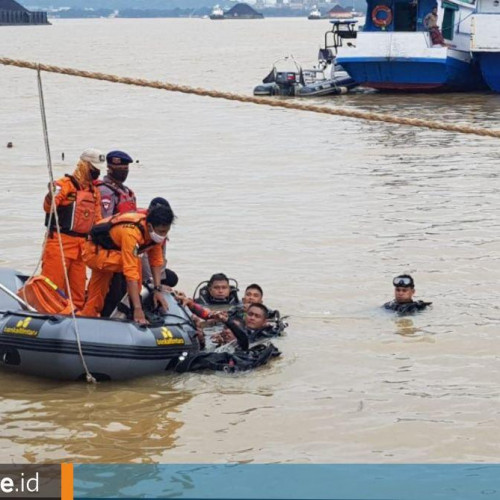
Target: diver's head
253,295
256,317
118,162
158,222
218,287
404,288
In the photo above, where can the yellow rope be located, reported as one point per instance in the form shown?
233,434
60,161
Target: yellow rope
276,103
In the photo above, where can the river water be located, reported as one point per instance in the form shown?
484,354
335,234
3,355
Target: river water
321,211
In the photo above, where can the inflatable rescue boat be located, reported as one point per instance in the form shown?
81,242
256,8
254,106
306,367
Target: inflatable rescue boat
46,345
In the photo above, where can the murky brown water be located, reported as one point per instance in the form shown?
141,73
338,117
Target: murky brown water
322,211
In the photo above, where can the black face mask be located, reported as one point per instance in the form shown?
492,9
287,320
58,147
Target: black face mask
119,175
95,173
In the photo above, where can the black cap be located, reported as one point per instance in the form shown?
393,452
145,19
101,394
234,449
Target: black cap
158,201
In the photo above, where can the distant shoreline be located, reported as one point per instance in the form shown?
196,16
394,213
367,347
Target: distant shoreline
160,14
52,16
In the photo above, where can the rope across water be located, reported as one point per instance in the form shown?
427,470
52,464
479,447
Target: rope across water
276,103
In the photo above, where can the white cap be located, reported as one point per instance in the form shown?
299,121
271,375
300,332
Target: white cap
94,156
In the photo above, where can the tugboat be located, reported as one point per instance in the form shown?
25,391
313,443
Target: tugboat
217,13
287,78
315,14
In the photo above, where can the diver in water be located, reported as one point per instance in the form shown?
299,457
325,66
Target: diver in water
404,289
253,295
218,292
255,327
250,350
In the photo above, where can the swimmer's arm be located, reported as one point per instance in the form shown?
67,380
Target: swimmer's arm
239,333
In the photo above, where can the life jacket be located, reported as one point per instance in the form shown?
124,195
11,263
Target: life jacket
44,295
126,197
77,218
100,234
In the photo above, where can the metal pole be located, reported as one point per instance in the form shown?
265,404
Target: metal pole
12,295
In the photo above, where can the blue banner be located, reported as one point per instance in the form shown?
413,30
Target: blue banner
289,482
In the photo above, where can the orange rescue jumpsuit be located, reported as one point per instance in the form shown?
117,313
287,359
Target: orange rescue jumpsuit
75,215
127,260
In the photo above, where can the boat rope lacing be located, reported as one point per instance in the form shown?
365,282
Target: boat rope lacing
276,103
53,212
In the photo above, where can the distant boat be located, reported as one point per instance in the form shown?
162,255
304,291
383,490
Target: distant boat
314,14
217,13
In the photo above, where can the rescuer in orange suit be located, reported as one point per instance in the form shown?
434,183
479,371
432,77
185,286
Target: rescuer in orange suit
78,205
115,246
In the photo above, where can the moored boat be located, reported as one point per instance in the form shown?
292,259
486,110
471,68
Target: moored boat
396,52
287,78
297,82
485,41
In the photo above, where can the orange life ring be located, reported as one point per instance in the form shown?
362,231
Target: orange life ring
384,22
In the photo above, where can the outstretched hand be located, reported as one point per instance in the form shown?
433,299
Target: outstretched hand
181,297
219,316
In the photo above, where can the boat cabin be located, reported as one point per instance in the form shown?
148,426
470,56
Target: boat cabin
408,15
341,29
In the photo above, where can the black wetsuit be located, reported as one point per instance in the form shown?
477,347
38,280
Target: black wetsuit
245,335
406,307
244,357
237,312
